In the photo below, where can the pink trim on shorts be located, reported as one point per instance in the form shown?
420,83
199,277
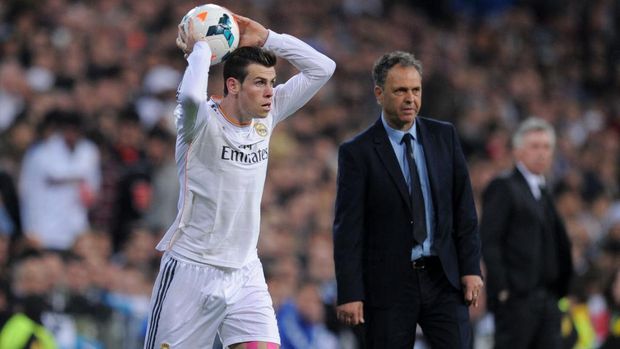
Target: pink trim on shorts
272,346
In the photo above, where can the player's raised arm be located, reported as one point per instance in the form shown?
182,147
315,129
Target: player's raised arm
315,68
193,88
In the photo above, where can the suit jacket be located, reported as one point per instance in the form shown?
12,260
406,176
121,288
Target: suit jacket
373,226
512,227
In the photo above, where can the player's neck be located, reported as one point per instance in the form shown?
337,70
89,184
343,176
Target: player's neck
233,113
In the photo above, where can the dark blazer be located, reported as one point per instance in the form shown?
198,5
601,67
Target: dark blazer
511,226
373,234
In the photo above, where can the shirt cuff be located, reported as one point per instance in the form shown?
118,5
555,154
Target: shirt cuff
273,40
200,48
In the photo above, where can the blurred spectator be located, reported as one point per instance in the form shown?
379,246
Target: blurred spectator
283,276
59,182
129,296
25,327
585,316
138,251
132,191
77,315
612,295
14,90
10,220
5,302
165,186
13,145
300,321
160,84
609,258
5,266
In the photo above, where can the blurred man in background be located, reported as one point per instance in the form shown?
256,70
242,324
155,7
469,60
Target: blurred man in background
59,181
526,248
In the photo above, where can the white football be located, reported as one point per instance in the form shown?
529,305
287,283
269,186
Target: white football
217,24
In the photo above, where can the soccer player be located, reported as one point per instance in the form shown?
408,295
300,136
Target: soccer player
211,280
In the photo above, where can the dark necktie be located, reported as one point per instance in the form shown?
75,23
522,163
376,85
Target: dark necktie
417,200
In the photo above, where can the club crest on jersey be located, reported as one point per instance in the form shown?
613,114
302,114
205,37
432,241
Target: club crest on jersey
165,346
261,129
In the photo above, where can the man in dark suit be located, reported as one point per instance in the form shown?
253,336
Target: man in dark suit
406,244
525,246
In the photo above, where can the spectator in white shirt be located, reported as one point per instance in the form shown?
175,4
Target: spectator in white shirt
59,181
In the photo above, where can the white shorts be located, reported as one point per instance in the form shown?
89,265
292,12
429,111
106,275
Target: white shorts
191,303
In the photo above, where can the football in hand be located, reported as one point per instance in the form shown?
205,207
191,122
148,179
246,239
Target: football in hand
218,26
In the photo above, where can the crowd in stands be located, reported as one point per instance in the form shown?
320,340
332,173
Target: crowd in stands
78,228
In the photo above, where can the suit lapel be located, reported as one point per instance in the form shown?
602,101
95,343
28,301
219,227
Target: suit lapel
384,149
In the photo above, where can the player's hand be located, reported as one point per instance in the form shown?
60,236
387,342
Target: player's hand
351,313
472,289
186,40
251,32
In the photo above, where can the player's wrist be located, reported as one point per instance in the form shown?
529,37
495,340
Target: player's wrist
263,37
200,49
202,44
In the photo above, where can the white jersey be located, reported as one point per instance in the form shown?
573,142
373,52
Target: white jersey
222,166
